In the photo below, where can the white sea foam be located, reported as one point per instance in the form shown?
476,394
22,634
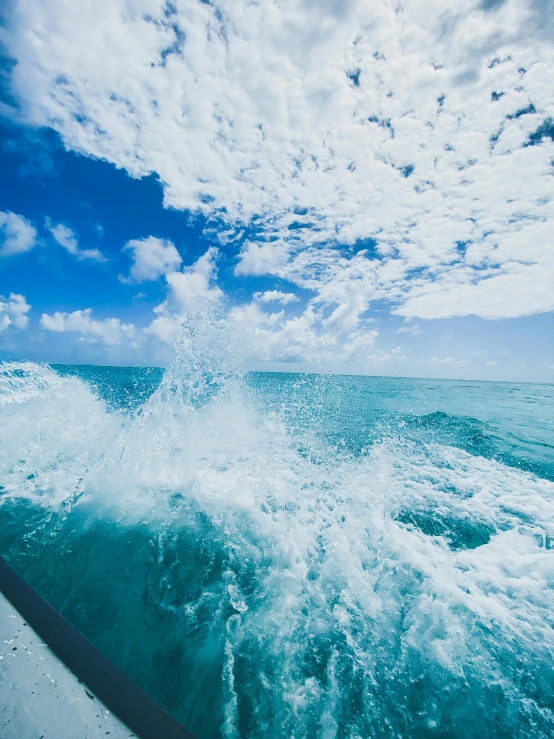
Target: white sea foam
52,429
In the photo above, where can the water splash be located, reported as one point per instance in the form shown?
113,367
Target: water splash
261,578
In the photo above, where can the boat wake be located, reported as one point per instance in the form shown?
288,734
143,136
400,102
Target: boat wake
258,579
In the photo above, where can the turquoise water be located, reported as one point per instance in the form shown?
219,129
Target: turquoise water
294,555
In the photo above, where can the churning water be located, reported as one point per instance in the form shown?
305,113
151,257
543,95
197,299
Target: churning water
279,555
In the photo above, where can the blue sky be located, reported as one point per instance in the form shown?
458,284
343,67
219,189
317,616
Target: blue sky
359,189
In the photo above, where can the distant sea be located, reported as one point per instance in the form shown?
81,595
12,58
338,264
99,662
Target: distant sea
283,555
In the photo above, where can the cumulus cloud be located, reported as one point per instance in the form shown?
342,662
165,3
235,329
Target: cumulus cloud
275,296
425,128
164,328
13,312
303,338
110,331
193,286
17,234
152,258
262,259
190,290
67,239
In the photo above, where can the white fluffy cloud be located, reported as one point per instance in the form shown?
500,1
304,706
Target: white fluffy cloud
190,290
193,286
275,296
304,338
110,331
13,312
17,235
424,129
262,259
152,258
66,238
164,328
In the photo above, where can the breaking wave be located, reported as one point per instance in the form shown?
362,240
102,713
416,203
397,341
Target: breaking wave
267,556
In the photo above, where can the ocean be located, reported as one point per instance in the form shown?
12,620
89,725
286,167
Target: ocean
288,555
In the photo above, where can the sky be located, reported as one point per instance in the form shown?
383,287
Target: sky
360,187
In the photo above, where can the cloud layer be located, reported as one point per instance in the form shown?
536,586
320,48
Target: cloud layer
362,151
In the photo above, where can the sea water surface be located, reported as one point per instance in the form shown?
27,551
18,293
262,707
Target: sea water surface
281,555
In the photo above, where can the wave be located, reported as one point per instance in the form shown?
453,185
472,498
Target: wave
485,440
259,581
